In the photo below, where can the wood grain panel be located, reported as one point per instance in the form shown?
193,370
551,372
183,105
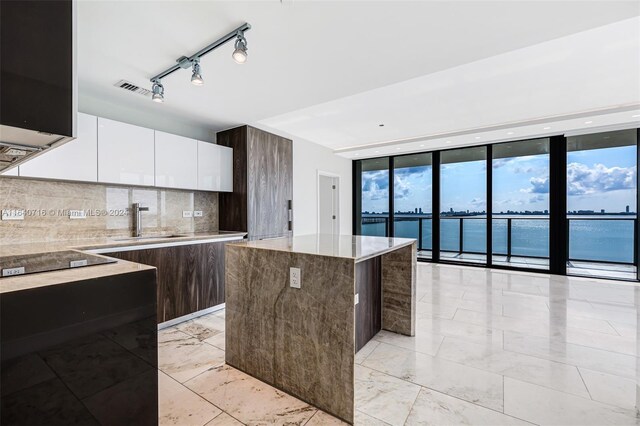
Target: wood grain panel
190,277
233,205
369,307
269,183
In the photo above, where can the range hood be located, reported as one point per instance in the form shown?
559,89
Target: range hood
18,145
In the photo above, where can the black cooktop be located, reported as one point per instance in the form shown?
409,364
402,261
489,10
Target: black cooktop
46,262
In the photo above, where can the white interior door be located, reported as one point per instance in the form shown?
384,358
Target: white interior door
328,212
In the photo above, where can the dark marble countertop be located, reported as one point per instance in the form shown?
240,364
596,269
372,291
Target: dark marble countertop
357,247
95,245
106,243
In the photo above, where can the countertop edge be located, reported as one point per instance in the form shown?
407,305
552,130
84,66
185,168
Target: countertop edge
67,276
409,242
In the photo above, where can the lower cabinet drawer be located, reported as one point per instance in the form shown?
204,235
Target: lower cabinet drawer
190,277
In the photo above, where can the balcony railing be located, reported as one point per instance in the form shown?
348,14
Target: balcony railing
590,239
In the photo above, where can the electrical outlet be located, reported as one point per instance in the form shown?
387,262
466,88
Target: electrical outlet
197,213
13,214
77,214
295,277
187,213
357,299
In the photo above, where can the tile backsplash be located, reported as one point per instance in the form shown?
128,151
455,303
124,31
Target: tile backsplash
47,206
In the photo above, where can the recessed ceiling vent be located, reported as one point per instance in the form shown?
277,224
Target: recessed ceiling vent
127,85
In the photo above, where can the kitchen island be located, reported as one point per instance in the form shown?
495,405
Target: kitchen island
299,308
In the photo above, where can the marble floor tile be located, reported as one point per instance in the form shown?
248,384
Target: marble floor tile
430,310
580,356
545,406
384,397
607,342
527,368
224,420
203,327
471,384
179,405
539,325
320,418
362,419
248,399
217,341
366,350
183,357
610,389
625,330
435,408
423,342
465,331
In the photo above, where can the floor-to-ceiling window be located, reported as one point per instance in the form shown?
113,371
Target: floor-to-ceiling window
591,227
412,194
374,215
463,205
601,204
521,204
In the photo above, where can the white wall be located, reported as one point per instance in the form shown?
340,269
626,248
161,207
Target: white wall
308,158
161,120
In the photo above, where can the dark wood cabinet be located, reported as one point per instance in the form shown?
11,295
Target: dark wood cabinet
369,307
190,277
37,66
262,183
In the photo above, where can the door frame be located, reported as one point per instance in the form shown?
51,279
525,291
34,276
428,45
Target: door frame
331,175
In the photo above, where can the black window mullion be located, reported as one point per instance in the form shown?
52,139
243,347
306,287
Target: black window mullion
489,202
435,206
357,197
637,221
558,227
391,200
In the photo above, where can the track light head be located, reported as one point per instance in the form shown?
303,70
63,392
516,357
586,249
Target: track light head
196,77
240,52
158,92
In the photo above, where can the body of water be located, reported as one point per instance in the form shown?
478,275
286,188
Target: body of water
599,238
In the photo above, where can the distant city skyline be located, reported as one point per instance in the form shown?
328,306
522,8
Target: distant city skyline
595,178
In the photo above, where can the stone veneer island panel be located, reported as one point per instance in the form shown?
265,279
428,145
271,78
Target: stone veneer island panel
303,340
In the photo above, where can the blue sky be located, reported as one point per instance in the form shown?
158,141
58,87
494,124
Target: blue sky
604,178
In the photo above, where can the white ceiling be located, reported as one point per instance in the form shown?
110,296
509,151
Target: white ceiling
330,72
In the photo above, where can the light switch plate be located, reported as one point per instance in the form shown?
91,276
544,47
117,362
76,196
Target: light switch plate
197,213
12,214
77,214
187,213
295,277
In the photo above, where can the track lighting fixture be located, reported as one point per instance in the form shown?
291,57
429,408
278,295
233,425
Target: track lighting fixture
158,92
239,55
196,77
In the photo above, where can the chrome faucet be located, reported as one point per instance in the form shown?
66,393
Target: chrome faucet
137,232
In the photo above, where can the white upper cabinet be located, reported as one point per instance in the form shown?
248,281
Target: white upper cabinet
125,153
176,161
215,167
75,160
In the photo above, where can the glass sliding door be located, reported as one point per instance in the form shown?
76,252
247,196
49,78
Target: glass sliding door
520,205
374,215
463,201
412,193
601,204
